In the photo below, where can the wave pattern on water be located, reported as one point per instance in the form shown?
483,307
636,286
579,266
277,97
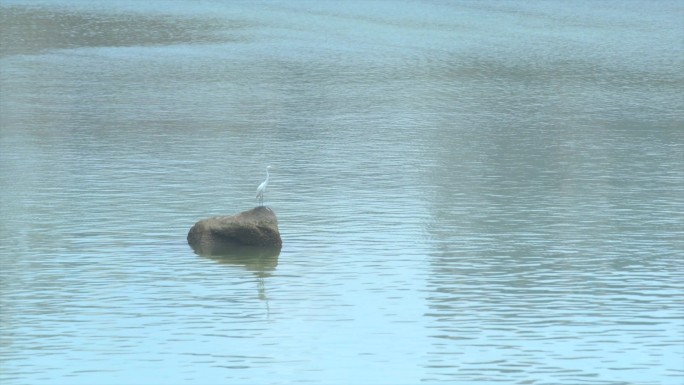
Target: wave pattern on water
467,192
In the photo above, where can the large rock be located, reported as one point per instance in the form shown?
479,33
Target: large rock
253,229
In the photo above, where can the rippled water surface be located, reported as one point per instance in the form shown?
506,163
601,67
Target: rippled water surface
468,192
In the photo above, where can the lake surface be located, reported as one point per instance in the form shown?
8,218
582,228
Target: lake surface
467,192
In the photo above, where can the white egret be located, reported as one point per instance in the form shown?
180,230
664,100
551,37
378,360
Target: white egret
262,188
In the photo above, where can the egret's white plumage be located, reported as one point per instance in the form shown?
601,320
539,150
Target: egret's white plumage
262,188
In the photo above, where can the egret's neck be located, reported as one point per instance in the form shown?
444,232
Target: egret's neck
267,175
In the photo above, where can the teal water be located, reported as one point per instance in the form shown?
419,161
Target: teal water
468,192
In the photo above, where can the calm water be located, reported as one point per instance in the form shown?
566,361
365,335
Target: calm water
468,192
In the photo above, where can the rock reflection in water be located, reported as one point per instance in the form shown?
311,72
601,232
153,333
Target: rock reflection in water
261,261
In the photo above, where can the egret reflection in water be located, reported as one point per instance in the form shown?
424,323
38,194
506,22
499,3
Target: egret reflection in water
258,260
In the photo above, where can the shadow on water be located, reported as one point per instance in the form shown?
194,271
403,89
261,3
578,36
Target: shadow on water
30,30
261,261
